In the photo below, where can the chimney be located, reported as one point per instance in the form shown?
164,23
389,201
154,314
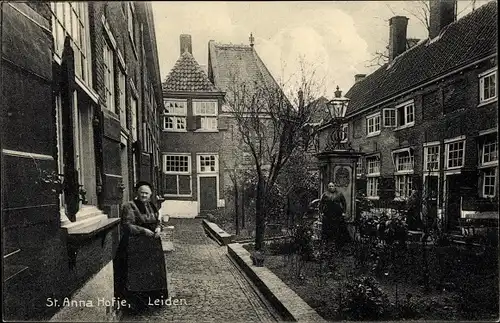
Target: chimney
358,77
397,36
185,41
442,13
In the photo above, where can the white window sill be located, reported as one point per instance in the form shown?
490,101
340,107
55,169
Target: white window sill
488,165
375,198
177,195
373,175
486,102
373,134
405,126
206,130
404,172
400,199
172,130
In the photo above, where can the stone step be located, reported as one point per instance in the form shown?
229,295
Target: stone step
87,221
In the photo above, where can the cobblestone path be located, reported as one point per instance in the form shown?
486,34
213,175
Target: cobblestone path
203,277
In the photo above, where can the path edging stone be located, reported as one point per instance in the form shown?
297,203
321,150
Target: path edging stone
283,298
219,235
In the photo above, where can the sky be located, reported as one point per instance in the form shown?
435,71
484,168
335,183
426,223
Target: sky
335,39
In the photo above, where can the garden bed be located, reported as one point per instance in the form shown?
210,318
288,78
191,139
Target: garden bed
388,284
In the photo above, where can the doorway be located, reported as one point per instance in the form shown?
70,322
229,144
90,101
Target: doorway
452,202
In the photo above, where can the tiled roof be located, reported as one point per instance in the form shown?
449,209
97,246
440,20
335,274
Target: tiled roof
472,37
229,63
188,76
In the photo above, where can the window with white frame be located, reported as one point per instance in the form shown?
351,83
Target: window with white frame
207,163
404,186
373,124
372,165
109,76
372,174
489,154
455,154
133,113
359,168
488,86
389,117
174,115
488,163
405,114
177,171
404,161
207,111
489,182
131,22
123,98
431,158
72,18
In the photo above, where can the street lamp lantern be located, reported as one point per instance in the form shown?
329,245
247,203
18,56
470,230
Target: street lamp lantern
337,108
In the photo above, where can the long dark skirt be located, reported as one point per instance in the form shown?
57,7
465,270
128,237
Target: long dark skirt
140,271
335,231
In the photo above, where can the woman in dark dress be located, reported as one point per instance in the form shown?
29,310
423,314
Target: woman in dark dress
140,261
334,227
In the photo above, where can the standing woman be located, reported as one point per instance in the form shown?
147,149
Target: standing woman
333,206
140,262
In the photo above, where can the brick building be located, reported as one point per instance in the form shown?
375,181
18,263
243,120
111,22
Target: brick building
428,118
88,74
191,138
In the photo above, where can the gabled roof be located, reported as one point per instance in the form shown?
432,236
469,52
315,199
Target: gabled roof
472,37
227,63
188,76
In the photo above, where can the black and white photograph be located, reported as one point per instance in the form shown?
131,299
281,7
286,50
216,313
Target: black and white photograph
249,161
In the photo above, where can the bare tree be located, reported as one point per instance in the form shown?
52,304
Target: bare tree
270,125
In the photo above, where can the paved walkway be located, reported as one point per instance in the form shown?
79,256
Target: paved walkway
203,277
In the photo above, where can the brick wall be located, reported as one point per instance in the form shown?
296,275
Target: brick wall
443,110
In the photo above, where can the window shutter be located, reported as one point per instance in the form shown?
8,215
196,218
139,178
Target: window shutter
198,122
71,185
191,122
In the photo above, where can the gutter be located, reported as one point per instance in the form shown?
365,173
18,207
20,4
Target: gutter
421,85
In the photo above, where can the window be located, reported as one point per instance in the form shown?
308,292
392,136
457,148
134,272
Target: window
431,158
488,86
489,182
174,115
404,161
373,125
405,115
372,165
72,18
177,169
109,76
489,152
207,111
359,168
372,174
207,163
372,187
133,112
389,117
404,186
131,23
455,154
123,99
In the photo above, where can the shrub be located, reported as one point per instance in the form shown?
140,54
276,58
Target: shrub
364,300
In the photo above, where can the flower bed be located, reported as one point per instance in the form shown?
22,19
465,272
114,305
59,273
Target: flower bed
464,282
